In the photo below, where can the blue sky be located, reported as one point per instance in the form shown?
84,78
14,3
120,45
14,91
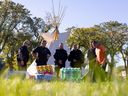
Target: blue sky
81,13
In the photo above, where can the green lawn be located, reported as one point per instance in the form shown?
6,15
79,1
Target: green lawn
23,87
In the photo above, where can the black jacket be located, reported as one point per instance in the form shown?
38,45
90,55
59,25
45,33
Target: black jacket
91,54
77,55
23,54
42,55
60,54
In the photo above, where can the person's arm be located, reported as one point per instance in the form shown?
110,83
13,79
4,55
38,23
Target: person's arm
35,53
55,55
49,54
70,57
88,53
101,57
81,57
65,55
20,52
103,61
25,54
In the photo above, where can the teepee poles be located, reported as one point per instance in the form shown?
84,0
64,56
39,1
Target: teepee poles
56,19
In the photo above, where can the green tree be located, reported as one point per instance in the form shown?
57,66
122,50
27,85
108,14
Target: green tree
11,16
16,25
84,36
115,37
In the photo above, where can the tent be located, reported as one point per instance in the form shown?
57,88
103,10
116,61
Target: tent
52,44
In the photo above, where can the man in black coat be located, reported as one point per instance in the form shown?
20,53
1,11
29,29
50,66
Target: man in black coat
60,57
76,57
23,55
41,54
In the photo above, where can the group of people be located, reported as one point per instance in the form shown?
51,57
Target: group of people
75,57
42,54
96,56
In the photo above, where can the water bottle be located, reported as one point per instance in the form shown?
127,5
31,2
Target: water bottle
78,74
73,73
62,73
66,74
70,74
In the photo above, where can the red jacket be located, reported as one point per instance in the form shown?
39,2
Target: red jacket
101,54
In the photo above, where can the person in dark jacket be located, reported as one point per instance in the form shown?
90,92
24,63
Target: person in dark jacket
60,57
41,54
91,56
23,55
76,57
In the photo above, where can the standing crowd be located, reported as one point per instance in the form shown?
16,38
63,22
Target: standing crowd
96,55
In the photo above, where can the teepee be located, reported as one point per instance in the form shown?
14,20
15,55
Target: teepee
53,39
57,37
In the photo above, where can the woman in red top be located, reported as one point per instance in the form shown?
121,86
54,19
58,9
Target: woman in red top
100,54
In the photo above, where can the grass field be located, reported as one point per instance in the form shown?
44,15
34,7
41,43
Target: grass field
21,87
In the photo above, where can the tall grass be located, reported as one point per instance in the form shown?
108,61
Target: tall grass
18,86
22,87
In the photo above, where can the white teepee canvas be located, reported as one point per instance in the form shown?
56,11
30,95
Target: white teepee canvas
55,38
52,45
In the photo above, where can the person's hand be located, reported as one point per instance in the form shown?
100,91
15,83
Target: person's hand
74,60
60,61
48,56
22,62
35,55
56,66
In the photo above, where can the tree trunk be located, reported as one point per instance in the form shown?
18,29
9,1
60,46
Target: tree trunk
4,43
125,63
111,65
126,68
